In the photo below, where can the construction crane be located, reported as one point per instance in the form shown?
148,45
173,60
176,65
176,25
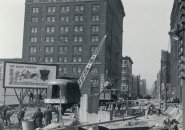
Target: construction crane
90,63
70,90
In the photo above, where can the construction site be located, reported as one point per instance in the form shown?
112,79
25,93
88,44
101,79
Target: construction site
74,75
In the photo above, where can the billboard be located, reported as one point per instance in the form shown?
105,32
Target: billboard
25,75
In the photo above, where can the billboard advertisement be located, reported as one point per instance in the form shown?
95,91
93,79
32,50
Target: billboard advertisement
24,75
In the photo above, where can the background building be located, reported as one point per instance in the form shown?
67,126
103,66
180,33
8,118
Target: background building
165,74
135,91
142,88
174,53
126,76
67,33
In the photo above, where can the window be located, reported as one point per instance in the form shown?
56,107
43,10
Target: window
94,70
32,59
34,30
35,1
64,9
50,39
48,59
49,49
51,9
96,7
62,70
33,39
93,48
79,18
78,28
64,38
64,18
77,70
34,19
50,19
94,38
62,49
79,8
95,81
64,29
95,18
50,29
35,10
77,59
78,39
62,59
77,49
95,28
33,49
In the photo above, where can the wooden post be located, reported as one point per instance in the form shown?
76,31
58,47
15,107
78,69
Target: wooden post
4,96
20,101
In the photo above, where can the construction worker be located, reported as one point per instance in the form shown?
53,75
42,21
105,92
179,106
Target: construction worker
48,116
31,98
8,115
3,115
38,118
1,124
20,116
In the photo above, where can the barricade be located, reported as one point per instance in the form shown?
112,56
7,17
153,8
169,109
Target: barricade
28,125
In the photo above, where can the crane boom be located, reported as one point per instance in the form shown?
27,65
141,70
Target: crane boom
91,61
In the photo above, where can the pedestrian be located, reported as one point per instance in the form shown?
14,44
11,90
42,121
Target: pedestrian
20,115
1,124
38,116
31,98
8,115
48,116
57,113
3,115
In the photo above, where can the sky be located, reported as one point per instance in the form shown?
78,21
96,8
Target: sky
145,33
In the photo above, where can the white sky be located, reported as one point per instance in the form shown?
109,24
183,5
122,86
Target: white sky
146,27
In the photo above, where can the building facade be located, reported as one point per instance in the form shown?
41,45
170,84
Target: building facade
165,74
126,76
142,88
66,32
175,51
135,92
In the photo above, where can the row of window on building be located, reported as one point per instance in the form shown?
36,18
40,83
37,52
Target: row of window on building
65,29
77,18
61,49
76,70
63,39
61,59
66,9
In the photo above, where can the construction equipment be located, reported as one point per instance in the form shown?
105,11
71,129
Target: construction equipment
90,63
70,89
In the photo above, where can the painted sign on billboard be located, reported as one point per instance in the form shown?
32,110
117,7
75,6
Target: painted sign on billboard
23,75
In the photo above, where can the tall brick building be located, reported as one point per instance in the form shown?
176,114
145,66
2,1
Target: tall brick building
126,75
66,32
175,51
